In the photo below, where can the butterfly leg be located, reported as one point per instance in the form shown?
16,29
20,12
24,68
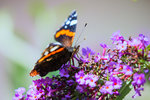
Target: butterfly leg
75,51
74,55
72,61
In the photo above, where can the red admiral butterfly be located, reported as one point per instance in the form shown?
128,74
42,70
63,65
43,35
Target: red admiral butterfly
57,54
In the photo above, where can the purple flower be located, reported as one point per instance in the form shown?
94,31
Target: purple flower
40,88
47,81
88,79
90,51
38,83
80,88
116,93
127,70
144,39
64,73
117,83
146,70
118,67
80,77
97,57
138,79
67,96
70,82
106,58
135,42
19,93
84,52
34,93
117,38
87,52
137,92
49,91
85,60
122,46
103,45
107,88
91,80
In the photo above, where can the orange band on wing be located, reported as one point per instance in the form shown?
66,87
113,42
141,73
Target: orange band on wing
65,32
52,53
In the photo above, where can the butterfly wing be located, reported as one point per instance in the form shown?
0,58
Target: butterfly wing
65,35
57,54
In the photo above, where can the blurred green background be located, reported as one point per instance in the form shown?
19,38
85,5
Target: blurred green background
28,26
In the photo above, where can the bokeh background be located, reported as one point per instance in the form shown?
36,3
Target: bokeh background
28,26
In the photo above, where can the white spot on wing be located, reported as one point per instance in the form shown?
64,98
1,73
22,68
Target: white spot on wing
54,48
70,18
68,22
65,26
75,15
57,43
73,22
46,53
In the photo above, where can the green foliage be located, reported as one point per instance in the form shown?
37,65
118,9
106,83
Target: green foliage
19,75
36,7
124,90
148,47
52,73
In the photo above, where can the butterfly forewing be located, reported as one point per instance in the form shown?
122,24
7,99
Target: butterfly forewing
66,33
50,51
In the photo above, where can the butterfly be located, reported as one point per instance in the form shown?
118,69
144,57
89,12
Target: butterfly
59,53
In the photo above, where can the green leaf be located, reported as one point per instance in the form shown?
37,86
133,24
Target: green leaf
148,64
148,47
141,61
55,73
140,50
124,90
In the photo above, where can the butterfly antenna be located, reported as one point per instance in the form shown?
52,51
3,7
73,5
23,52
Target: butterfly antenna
81,41
80,34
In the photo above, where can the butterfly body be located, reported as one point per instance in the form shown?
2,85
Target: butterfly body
57,54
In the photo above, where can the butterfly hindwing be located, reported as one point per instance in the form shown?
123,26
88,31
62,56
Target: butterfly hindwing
52,61
66,33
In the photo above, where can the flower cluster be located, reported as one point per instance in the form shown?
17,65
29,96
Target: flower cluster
99,75
57,87
88,79
19,93
138,81
111,85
